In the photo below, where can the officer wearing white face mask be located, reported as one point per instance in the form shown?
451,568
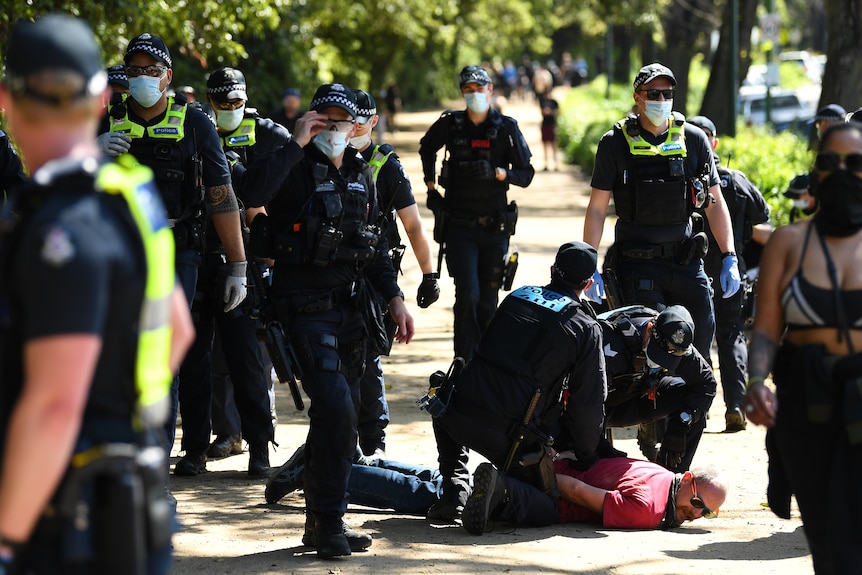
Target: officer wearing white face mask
485,152
180,144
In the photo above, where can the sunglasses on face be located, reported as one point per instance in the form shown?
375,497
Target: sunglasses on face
652,94
830,161
236,105
152,71
698,503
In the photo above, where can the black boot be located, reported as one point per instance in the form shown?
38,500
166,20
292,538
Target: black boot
258,461
355,540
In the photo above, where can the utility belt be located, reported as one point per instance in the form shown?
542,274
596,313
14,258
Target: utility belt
112,508
312,301
828,388
503,222
189,233
683,252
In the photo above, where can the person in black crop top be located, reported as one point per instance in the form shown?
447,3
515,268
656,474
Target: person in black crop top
815,412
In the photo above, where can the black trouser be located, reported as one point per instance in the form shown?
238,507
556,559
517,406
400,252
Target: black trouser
244,361
822,467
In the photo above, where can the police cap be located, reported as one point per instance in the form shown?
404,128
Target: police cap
150,44
672,336
576,262
831,113
652,71
334,95
227,84
703,123
54,44
798,186
117,75
475,74
365,105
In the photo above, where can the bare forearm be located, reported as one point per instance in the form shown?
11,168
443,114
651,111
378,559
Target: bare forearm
228,230
577,492
761,354
719,221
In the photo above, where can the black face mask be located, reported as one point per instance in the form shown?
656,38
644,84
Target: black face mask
840,199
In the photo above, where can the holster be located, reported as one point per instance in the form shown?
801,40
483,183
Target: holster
692,248
260,242
540,465
508,219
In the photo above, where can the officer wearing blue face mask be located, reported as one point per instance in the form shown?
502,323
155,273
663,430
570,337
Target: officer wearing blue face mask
485,152
654,372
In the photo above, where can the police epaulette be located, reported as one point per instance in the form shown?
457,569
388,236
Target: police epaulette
678,118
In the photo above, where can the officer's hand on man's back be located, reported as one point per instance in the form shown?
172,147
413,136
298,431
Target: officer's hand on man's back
429,290
114,143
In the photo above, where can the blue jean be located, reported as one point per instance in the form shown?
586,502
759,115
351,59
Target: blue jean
402,487
373,407
474,257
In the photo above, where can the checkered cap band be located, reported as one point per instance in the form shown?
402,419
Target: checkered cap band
117,74
334,95
152,45
231,88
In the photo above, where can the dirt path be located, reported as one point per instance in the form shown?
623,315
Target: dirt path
228,528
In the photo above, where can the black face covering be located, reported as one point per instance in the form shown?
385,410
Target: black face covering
840,199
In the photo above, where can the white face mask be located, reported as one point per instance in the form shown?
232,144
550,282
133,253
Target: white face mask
229,120
331,143
145,90
658,111
800,204
477,102
359,142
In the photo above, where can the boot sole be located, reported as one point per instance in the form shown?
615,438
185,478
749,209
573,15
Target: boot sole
477,510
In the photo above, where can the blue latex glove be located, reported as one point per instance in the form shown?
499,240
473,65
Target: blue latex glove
597,291
730,279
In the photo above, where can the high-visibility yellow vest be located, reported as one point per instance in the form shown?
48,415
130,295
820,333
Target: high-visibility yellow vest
674,144
171,126
243,135
378,158
152,365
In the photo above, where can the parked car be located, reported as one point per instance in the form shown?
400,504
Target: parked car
787,111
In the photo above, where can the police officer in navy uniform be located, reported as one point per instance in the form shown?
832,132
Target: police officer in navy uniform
321,230
88,259
485,153
180,144
542,341
654,372
747,208
248,140
659,169
12,173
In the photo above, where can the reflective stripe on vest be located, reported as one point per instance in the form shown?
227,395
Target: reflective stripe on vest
171,126
378,158
242,136
152,365
674,145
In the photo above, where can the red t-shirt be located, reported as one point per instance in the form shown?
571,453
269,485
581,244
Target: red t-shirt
636,497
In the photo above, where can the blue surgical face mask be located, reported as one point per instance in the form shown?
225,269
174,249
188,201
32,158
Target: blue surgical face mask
145,90
800,204
331,143
229,120
477,102
658,111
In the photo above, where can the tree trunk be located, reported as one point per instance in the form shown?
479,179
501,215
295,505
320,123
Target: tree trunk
683,23
842,79
715,99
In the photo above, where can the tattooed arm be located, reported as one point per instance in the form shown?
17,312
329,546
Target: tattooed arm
225,215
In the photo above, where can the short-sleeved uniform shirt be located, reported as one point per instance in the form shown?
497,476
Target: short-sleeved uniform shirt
636,498
394,191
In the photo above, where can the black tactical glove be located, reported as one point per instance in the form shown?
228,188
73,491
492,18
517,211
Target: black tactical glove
672,445
429,290
479,170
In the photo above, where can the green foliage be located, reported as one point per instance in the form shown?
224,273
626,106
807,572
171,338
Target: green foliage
770,161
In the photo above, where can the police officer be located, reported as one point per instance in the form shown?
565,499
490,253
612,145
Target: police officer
12,174
396,197
85,379
659,169
247,139
180,144
655,372
747,208
117,79
322,227
485,153
799,192
543,345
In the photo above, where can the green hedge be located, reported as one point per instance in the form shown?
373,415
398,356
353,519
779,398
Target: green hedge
769,160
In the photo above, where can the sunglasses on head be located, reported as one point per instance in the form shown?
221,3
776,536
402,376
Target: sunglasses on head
830,161
652,94
698,503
